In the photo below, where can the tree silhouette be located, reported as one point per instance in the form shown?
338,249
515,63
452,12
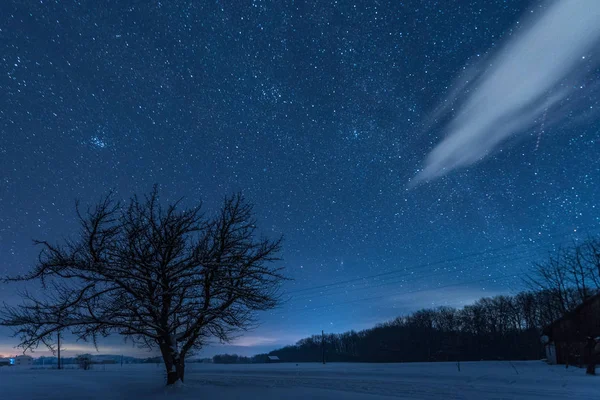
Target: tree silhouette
163,277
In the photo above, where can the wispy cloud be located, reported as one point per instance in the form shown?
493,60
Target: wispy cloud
70,347
279,339
451,297
533,73
67,350
249,341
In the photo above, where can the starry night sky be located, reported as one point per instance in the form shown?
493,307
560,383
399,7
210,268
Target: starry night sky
319,112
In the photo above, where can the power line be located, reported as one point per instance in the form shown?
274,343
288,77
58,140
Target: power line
379,320
395,290
418,277
531,252
452,267
501,277
530,255
421,266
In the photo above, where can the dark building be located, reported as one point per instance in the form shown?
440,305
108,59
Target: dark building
566,338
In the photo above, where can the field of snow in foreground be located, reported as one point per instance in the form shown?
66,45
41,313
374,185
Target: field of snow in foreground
476,380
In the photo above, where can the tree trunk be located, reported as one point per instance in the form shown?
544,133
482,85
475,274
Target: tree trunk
172,377
180,368
174,364
178,373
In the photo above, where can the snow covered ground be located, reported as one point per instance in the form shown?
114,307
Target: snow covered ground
476,380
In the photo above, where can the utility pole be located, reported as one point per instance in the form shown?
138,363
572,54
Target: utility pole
323,344
58,349
58,337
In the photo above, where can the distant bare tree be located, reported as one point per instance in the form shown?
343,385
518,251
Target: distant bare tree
84,361
588,261
159,276
570,275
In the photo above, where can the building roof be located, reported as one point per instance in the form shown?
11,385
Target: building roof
273,358
571,314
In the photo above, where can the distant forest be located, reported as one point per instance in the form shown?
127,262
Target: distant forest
497,328
502,327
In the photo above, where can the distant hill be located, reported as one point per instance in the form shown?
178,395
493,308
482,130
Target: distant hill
43,360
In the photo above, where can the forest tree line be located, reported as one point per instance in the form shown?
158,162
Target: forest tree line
501,327
496,328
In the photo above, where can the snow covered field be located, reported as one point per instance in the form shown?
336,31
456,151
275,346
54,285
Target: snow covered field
476,380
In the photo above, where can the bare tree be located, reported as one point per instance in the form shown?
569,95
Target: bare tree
570,275
84,361
165,278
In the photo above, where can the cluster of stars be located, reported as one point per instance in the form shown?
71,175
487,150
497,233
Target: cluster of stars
317,112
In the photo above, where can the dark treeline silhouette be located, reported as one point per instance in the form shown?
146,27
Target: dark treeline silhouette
237,359
501,327
230,359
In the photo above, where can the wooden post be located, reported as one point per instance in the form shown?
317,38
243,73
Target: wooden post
59,366
323,344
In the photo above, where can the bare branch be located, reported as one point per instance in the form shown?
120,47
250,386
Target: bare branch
160,276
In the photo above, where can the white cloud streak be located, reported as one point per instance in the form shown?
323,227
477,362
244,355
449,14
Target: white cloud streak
279,339
451,297
529,75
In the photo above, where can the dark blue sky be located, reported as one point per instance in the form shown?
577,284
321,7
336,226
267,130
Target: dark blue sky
319,112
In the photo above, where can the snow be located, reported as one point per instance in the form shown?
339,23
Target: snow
476,380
